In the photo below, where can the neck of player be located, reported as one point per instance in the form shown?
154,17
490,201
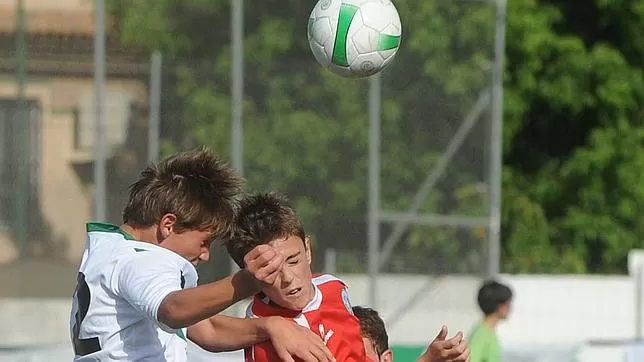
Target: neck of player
148,235
491,321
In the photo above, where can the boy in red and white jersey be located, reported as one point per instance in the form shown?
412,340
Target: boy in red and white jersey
319,303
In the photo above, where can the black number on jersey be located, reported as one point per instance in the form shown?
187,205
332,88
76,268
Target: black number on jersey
86,346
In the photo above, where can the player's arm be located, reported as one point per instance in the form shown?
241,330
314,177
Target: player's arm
183,308
152,285
222,333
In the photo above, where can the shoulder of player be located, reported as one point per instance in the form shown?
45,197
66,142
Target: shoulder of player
121,243
147,265
149,258
111,242
137,250
333,290
322,279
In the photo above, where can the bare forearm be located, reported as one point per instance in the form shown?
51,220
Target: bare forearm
189,306
222,334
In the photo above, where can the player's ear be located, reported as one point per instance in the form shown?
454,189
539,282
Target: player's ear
387,356
307,247
166,226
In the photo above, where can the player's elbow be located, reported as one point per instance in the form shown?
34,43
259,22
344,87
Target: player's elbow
174,313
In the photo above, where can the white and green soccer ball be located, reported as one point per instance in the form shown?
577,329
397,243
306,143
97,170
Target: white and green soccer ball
354,38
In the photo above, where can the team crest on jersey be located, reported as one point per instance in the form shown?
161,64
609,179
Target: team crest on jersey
345,300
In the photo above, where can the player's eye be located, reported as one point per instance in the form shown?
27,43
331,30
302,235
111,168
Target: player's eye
293,261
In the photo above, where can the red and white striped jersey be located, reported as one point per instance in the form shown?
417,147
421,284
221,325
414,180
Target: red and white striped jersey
328,314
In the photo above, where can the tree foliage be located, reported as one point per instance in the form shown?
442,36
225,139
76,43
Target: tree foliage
573,136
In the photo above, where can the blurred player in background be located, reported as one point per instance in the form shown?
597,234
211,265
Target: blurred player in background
376,341
495,300
137,292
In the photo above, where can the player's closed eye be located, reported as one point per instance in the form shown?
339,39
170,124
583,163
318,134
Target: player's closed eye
293,261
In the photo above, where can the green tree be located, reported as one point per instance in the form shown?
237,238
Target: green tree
573,137
572,129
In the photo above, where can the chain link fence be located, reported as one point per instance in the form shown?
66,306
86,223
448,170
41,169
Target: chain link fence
305,134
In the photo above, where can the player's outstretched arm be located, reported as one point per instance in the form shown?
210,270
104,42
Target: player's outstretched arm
221,333
187,307
183,308
154,287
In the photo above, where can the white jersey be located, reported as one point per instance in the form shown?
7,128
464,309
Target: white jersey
121,283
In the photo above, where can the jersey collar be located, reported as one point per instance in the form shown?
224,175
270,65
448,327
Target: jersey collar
107,228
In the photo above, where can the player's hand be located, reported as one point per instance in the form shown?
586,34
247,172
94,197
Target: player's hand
441,349
292,341
264,263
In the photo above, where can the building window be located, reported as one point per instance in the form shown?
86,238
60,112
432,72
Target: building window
19,164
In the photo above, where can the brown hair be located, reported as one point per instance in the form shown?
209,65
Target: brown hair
196,186
372,327
262,218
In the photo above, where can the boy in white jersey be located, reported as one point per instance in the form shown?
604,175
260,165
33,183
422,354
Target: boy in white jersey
137,297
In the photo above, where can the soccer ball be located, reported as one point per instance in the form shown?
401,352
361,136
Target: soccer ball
354,38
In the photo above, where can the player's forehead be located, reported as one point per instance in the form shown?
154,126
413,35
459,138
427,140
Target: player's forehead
289,245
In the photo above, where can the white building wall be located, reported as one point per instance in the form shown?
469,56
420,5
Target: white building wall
553,317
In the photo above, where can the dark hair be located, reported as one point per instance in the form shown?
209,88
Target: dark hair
372,327
492,295
196,186
262,218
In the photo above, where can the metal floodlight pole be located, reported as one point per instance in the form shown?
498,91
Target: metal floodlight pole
496,146
237,90
100,164
155,106
373,204
436,172
330,260
639,300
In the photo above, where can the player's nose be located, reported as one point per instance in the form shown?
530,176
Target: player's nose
287,277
